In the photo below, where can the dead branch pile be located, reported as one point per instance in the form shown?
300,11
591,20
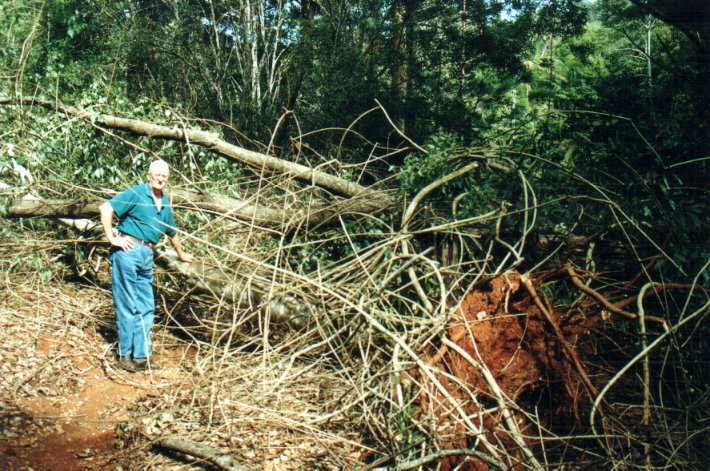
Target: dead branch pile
434,355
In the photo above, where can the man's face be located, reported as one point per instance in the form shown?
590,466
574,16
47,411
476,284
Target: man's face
158,179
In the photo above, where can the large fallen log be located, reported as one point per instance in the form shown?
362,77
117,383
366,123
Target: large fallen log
36,208
285,217
367,200
250,292
232,208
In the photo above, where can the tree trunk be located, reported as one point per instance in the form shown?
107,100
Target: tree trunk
283,217
242,288
402,45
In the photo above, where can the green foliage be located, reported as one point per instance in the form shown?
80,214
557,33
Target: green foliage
477,192
408,435
37,262
572,105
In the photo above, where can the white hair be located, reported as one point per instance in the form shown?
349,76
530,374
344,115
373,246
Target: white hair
158,165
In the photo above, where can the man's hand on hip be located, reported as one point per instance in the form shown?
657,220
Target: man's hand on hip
122,243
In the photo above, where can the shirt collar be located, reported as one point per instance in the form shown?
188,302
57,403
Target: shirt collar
149,192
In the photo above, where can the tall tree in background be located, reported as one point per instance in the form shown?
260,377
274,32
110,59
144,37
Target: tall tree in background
223,60
682,57
403,50
462,54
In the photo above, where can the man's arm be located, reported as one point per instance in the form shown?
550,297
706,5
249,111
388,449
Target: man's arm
185,257
107,212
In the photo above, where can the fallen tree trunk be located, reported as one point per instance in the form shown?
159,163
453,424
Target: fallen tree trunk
36,208
368,200
227,207
223,206
231,208
249,292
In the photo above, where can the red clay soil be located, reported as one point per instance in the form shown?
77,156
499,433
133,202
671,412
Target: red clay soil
74,428
80,430
500,327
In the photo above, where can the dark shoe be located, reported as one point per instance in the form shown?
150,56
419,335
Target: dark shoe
145,365
125,363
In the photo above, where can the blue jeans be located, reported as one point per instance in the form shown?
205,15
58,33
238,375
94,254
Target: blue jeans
133,300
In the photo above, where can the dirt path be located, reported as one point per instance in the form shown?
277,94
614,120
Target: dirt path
74,430
63,402
65,406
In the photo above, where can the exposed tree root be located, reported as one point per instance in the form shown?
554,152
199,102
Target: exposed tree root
497,346
615,308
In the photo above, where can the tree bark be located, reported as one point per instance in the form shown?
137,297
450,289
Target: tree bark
31,208
247,290
401,16
222,205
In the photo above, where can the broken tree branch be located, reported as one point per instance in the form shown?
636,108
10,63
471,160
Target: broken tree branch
212,456
646,417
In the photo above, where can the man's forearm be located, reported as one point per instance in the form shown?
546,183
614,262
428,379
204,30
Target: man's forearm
175,241
107,221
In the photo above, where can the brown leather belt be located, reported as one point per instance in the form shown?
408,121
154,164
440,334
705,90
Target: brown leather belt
137,241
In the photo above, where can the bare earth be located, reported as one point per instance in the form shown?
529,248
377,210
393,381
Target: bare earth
63,400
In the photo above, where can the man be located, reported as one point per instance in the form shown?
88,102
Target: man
144,215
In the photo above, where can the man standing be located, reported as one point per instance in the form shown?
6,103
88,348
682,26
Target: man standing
144,215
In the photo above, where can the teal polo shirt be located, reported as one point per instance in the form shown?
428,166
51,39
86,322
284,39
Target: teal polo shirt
139,217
